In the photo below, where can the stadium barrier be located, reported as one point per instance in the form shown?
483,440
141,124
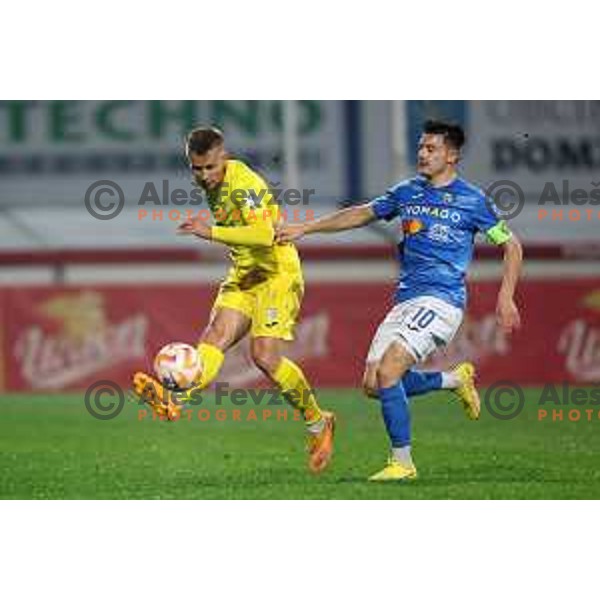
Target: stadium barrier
58,338
315,252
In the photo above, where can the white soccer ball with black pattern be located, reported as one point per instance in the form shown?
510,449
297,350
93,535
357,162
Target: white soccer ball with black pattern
178,366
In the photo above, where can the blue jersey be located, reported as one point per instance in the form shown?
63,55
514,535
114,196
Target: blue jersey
439,225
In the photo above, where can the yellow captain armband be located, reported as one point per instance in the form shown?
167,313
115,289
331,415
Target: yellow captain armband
499,233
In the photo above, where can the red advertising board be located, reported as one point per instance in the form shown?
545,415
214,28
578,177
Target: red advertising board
65,338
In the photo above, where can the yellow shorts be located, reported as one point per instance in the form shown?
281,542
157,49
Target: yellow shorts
272,302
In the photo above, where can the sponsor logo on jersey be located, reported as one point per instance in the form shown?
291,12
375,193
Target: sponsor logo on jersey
433,211
439,232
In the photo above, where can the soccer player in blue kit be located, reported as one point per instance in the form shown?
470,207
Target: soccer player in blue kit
440,215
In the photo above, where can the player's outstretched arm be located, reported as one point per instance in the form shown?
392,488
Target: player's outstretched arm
260,233
506,309
347,218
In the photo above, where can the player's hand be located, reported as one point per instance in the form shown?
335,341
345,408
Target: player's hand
289,233
507,314
195,226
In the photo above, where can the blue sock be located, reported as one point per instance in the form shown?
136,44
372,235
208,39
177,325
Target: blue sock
394,407
421,382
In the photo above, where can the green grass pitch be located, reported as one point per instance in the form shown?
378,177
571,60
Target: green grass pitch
50,447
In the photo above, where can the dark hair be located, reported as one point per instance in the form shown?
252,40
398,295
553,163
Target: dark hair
203,139
453,134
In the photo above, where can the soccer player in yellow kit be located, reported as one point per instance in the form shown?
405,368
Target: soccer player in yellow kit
261,294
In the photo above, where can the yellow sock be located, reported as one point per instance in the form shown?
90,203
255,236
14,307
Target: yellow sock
212,358
296,390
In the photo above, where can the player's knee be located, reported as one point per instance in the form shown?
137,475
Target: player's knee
388,374
217,335
396,361
266,360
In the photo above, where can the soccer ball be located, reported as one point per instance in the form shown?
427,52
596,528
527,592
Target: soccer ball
177,365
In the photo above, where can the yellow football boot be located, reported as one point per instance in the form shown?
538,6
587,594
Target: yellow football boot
395,471
467,392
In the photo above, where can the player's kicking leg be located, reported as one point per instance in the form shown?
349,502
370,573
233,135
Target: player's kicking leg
267,353
460,380
226,327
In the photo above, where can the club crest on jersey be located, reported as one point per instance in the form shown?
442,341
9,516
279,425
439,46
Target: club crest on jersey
447,197
272,317
411,226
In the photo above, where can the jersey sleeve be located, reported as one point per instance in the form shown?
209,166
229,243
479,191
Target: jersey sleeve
387,206
487,222
250,195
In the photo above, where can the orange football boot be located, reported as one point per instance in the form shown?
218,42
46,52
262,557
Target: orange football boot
153,393
320,445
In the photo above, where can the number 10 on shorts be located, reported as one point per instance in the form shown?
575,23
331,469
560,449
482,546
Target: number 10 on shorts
421,319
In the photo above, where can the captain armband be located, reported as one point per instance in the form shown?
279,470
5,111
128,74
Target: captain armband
499,234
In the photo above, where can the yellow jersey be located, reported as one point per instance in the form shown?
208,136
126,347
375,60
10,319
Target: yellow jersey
245,215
